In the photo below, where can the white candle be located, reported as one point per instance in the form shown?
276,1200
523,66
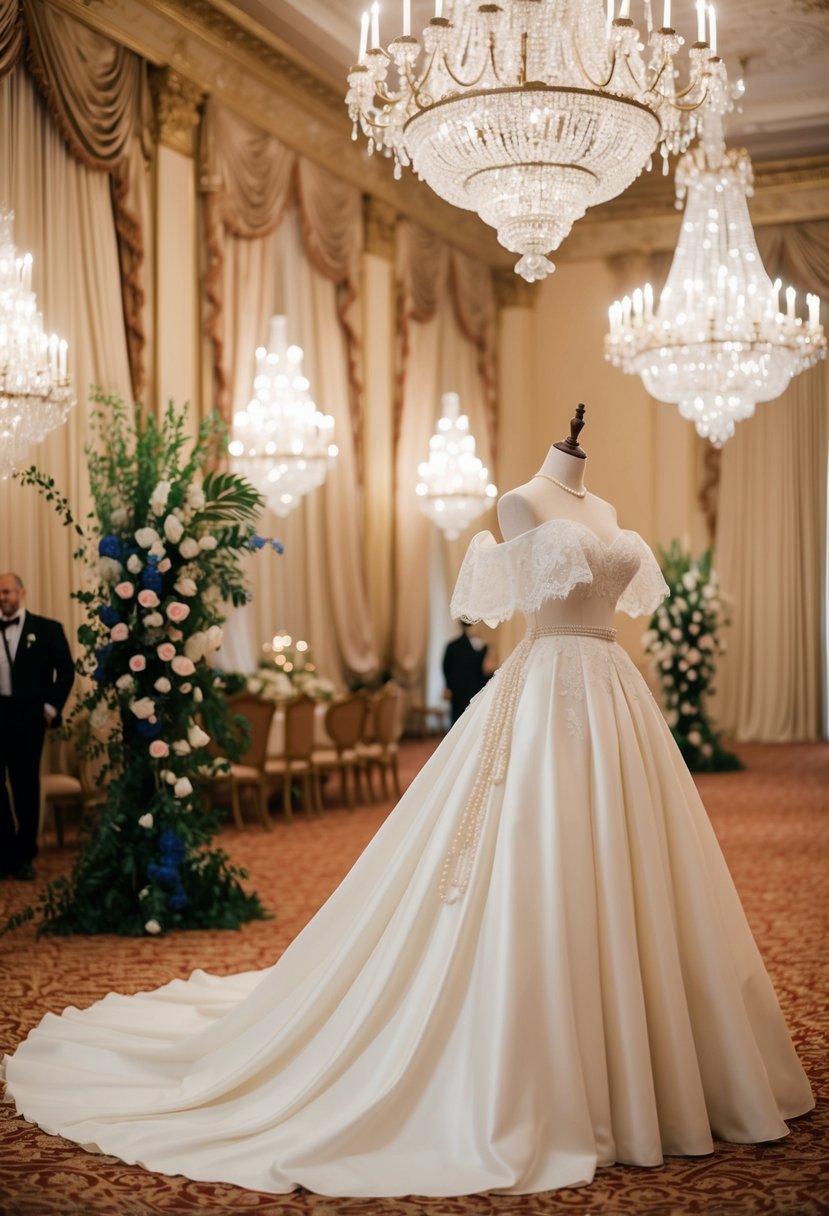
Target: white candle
438,8
407,18
611,11
626,311
363,37
638,304
666,15
62,349
375,23
790,295
700,20
776,286
814,311
624,11
53,356
648,302
712,28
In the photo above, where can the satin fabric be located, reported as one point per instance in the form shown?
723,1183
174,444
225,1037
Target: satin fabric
594,996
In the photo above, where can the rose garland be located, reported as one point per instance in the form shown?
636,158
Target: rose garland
684,641
162,551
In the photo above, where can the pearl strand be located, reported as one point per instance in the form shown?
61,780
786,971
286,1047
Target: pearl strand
562,485
587,631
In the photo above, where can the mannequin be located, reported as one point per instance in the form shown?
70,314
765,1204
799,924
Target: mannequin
557,491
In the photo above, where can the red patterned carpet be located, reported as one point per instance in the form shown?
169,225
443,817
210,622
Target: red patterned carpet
772,823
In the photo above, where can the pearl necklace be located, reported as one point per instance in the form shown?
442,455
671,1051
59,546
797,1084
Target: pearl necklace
578,493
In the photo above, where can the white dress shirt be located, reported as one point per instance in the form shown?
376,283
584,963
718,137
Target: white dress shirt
13,635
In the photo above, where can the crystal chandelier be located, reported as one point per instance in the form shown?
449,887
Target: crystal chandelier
454,486
530,111
281,441
717,342
35,392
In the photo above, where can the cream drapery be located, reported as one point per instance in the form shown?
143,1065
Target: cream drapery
771,536
293,246
63,216
446,338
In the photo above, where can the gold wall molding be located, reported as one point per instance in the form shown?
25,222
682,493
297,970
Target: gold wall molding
176,102
380,227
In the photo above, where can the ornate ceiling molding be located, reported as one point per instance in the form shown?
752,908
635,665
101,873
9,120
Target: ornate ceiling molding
176,109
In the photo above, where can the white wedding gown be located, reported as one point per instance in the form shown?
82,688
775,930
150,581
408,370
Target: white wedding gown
539,965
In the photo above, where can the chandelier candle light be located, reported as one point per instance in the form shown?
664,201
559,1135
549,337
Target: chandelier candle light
717,342
454,486
281,442
530,111
35,390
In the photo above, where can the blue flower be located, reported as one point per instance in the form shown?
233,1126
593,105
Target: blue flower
151,579
173,848
108,615
148,729
110,546
277,546
164,875
177,900
257,542
103,652
100,675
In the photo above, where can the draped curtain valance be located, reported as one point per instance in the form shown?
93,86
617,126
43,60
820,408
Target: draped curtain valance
249,179
97,96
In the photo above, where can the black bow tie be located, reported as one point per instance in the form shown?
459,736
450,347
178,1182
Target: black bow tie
4,624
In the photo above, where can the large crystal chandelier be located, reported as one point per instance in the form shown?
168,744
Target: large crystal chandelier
530,111
454,486
280,440
718,341
35,391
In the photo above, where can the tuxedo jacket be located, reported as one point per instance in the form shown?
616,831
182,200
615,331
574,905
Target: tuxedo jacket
43,671
463,671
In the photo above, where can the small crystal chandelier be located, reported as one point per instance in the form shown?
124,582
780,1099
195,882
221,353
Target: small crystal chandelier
281,441
35,391
454,486
530,111
717,342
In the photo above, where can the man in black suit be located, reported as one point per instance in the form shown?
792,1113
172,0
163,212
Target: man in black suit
36,674
465,670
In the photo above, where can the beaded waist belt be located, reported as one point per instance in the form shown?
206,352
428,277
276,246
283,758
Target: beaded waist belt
505,690
584,631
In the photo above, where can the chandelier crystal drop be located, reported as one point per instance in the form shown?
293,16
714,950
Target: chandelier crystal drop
530,111
717,341
35,390
280,441
454,486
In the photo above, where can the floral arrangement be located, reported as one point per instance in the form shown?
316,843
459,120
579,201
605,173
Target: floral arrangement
287,671
162,550
684,641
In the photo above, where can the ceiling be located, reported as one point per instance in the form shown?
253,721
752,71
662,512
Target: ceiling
781,50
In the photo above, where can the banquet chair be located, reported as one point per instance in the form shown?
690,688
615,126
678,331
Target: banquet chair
344,722
249,771
295,760
380,751
60,788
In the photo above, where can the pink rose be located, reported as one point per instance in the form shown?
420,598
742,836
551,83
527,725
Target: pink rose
159,749
175,635
119,632
164,565
166,651
183,666
177,611
125,590
148,599
138,662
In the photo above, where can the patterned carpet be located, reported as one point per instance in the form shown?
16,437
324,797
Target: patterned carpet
772,823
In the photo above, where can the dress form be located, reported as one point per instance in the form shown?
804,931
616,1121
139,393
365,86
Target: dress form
557,491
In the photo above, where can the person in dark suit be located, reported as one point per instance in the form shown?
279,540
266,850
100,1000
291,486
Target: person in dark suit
36,674
465,670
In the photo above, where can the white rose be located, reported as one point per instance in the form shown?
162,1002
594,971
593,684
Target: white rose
706,749
692,675
154,620
134,563
694,738
666,664
672,717
195,496
158,499
181,747
152,926
686,708
675,634
173,529
145,821
198,695
144,707
693,656
169,776
162,684
208,542
708,592
188,547
196,645
164,565
119,517
680,603
215,636
689,580
197,737
186,586
145,537
109,570
143,893
182,787
124,682
157,548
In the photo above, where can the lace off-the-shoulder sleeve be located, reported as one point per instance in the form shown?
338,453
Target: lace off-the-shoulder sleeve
519,575
647,589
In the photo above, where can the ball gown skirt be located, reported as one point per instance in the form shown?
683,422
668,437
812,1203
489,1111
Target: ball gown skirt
539,966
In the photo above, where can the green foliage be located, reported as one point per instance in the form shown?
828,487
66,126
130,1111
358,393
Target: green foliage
162,551
684,641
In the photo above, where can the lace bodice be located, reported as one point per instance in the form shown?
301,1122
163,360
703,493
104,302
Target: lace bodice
557,573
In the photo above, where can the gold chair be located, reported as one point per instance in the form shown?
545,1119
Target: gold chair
249,771
60,789
380,751
344,722
295,760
